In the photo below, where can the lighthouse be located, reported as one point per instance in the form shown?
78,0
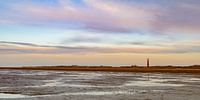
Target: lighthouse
148,62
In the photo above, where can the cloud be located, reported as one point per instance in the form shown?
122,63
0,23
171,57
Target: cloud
115,16
181,46
18,47
181,17
138,43
29,48
84,38
98,15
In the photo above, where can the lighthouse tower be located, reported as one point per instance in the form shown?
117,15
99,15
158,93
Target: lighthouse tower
148,62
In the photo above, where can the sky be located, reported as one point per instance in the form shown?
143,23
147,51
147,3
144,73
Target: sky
99,32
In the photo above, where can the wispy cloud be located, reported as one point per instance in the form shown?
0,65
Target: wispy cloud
109,16
84,38
18,47
179,16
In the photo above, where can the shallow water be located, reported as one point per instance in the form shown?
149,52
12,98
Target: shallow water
4,95
64,85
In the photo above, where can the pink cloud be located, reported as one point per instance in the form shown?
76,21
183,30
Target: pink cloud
105,16
112,15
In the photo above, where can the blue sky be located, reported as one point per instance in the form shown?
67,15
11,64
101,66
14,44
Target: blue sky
55,29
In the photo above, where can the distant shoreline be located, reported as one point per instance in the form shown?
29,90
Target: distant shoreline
142,69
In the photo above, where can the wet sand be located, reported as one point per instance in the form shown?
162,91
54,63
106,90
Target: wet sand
84,85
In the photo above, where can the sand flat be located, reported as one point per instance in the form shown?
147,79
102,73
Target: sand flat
84,85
